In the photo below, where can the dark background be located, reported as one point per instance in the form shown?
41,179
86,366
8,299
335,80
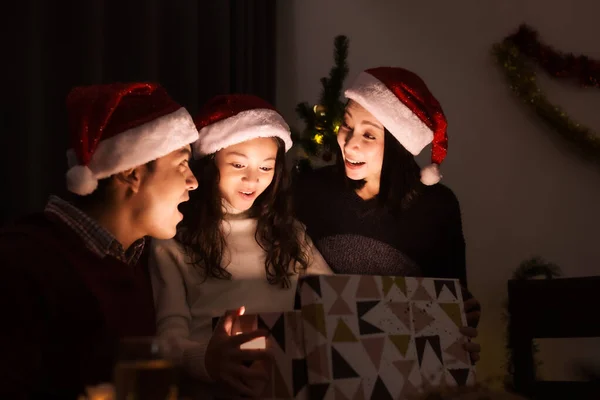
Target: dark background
196,49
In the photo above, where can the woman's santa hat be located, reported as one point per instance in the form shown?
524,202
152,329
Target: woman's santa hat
401,101
120,126
231,119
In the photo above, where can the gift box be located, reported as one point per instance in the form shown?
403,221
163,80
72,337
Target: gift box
374,337
285,341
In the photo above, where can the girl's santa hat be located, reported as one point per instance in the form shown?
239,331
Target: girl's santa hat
120,126
401,101
231,119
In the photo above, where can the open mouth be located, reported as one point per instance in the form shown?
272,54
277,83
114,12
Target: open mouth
247,195
353,163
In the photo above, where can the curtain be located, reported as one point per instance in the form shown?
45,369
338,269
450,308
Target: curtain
196,49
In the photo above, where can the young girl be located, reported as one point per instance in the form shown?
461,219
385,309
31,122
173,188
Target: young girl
238,244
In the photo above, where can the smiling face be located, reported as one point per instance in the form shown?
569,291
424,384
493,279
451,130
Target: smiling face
245,170
361,139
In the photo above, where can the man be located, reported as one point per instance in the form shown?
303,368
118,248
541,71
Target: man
74,277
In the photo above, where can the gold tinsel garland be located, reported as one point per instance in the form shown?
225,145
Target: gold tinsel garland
522,80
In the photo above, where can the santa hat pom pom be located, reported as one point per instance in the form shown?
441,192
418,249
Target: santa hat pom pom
81,180
430,175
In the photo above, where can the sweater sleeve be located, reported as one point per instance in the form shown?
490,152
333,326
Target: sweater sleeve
456,243
316,263
451,250
173,316
445,254
23,336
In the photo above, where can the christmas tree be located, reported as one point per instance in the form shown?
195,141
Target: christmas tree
323,120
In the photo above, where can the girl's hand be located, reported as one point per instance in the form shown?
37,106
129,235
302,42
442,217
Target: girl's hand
227,364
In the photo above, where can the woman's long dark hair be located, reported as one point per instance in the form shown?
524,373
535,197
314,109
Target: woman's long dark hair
400,182
277,232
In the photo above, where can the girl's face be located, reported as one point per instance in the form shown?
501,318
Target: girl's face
361,140
246,169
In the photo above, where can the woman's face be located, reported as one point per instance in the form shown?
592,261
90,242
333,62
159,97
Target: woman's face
361,140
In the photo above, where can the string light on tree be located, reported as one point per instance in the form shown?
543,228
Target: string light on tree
323,120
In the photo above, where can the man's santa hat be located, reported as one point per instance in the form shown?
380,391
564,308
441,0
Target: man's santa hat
401,101
120,126
231,119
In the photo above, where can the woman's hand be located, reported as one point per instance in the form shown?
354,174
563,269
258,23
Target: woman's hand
473,313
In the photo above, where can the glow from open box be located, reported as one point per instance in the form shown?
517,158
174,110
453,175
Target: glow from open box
259,343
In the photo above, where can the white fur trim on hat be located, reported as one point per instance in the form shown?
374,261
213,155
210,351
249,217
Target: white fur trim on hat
132,148
380,101
430,175
244,126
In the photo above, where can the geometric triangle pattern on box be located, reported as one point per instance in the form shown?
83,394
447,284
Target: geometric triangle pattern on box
405,367
337,282
318,391
433,341
449,284
395,335
380,391
460,375
421,294
276,330
340,307
457,351
314,283
388,282
402,312
343,333
453,311
401,342
374,348
315,316
277,382
295,334
367,288
341,368
421,319
363,307
299,375
366,328
426,382
318,361
348,388
339,395
360,392
409,390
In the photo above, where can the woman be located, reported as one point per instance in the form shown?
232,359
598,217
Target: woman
375,212
238,244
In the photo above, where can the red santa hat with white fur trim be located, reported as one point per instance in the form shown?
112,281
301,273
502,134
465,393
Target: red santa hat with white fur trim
401,101
119,126
235,118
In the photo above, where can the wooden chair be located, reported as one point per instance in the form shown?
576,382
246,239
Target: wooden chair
552,308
